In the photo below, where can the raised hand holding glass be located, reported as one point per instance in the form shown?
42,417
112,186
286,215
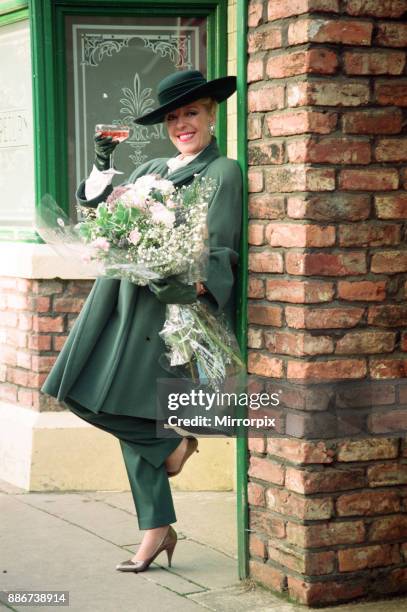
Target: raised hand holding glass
116,132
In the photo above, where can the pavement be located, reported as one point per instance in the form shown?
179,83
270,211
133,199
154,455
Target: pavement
72,542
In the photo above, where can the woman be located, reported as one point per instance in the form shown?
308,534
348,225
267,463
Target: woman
107,370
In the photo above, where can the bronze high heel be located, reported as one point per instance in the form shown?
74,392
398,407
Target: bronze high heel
192,446
167,543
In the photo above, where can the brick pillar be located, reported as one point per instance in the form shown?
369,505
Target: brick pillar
35,319
327,287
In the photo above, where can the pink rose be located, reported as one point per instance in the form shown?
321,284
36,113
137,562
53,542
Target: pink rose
134,236
101,243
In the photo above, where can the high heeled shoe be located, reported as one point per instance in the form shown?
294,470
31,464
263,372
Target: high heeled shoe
192,446
167,543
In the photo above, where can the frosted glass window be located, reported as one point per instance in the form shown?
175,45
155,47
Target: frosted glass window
17,202
113,67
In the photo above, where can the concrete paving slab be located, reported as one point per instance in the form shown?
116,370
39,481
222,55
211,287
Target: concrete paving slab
204,566
46,553
120,499
171,580
209,518
241,599
108,522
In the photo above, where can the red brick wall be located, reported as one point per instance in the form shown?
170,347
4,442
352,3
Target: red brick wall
328,278
35,319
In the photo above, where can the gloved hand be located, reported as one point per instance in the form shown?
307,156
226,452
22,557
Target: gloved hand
172,291
104,147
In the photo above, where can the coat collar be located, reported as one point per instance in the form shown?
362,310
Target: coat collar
186,174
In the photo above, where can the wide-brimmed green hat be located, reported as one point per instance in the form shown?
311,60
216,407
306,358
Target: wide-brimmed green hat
183,87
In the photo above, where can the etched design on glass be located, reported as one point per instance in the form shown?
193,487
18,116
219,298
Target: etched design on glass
177,48
14,126
138,102
95,46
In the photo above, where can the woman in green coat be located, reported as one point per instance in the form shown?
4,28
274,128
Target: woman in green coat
108,368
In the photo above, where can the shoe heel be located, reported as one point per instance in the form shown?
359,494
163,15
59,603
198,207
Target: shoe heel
170,552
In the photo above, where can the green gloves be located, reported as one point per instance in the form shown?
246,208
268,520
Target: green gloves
172,291
104,147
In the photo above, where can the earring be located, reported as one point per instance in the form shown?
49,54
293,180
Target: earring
211,129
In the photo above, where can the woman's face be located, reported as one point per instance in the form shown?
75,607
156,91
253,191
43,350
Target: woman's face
188,127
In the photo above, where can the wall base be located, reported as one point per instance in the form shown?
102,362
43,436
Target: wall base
58,451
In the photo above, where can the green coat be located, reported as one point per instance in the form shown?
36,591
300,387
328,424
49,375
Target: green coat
109,361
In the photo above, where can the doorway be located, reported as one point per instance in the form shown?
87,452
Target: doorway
107,59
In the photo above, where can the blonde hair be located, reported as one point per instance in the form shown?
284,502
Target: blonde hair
209,103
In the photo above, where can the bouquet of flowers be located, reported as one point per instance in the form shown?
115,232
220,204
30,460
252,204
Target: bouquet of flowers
145,231
149,230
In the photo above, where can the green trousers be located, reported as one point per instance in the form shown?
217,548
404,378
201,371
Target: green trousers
144,455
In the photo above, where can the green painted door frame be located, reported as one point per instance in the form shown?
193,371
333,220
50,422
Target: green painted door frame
241,326
50,142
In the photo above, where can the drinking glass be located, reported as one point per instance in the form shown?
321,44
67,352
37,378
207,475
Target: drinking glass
117,132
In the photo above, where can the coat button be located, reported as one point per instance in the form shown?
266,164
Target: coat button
147,338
